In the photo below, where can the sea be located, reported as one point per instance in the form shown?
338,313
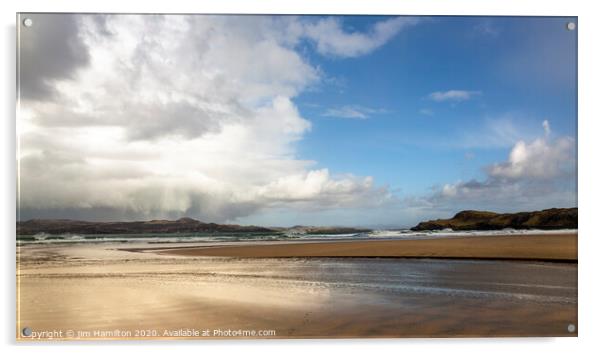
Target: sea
183,238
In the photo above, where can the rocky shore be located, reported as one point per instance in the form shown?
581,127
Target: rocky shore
548,219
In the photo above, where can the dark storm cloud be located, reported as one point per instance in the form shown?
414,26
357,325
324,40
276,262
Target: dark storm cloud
51,49
174,118
100,24
203,208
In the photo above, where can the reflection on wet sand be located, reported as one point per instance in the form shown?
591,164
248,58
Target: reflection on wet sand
96,287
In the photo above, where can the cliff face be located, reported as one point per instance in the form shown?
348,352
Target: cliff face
32,227
548,219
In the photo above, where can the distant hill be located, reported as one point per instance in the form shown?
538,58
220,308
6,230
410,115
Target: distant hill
62,226
183,225
548,219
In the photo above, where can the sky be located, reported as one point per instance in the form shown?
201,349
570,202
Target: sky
378,121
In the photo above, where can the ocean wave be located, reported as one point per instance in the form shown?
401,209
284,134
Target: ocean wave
44,238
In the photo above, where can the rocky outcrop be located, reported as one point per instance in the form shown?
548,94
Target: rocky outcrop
548,219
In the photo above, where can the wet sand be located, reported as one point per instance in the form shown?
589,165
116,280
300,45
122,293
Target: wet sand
557,247
101,292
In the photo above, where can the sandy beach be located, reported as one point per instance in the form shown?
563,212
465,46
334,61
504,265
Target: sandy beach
103,291
557,247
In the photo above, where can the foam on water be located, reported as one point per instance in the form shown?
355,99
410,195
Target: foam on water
44,238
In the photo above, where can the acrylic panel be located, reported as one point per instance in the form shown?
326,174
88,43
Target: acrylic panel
271,176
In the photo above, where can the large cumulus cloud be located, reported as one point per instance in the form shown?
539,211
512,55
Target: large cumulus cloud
130,116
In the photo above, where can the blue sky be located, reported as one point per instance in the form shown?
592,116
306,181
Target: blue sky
521,69
417,142
281,120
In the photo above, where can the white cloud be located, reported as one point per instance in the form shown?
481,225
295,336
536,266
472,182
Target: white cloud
332,39
541,159
453,95
546,127
178,115
317,188
537,174
353,112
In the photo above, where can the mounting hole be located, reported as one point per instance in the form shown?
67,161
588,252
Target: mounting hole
26,331
571,26
571,328
28,22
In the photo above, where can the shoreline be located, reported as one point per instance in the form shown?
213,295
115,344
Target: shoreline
543,247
